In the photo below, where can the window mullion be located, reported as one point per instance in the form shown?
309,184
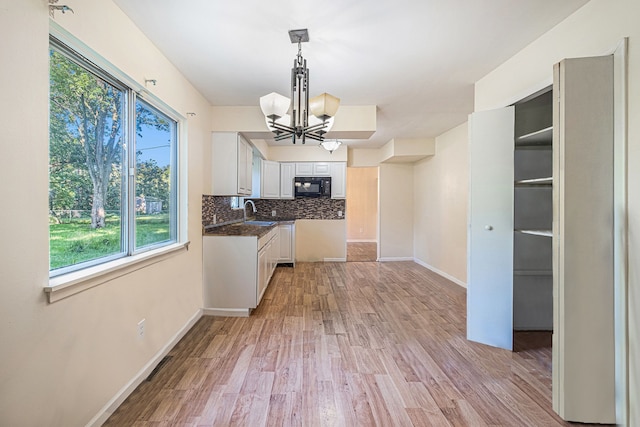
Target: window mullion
131,173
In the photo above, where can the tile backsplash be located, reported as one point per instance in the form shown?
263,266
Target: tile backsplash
219,207
300,208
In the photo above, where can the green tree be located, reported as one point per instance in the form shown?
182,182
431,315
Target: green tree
153,181
86,123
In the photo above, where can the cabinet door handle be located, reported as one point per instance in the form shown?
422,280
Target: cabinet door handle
488,227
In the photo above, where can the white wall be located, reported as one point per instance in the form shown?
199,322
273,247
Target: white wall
595,29
396,211
320,240
362,204
306,153
441,192
63,362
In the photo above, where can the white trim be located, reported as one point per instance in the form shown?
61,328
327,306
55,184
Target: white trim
334,260
621,232
227,312
60,33
393,259
77,281
441,273
362,241
113,404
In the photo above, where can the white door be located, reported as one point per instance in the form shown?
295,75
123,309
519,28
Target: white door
490,237
583,183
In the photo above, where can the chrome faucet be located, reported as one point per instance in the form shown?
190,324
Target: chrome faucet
245,208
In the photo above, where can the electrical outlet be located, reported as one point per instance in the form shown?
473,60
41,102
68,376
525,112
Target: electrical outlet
141,329
273,213
339,213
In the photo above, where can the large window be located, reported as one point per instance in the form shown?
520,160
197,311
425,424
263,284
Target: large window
112,167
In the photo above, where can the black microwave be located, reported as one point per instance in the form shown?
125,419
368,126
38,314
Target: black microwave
312,186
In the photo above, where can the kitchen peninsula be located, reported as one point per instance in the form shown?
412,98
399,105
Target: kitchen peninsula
240,256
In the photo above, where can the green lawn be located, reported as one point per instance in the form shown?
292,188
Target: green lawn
74,241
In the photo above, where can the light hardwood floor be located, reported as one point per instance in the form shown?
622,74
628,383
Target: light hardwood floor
362,251
345,344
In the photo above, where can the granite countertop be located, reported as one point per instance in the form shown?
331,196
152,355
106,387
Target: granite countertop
281,219
240,228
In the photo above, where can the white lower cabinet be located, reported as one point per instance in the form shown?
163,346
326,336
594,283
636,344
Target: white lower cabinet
287,250
237,271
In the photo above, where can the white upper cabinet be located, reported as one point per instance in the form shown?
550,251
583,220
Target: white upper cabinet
245,162
304,169
231,164
287,173
313,169
338,180
321,169
270,180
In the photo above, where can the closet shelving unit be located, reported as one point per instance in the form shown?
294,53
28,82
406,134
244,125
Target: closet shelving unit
533,215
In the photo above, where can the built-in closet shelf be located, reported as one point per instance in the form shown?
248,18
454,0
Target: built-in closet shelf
533,272
537,138
534,182
545,233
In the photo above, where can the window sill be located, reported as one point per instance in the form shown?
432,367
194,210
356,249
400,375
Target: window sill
64,286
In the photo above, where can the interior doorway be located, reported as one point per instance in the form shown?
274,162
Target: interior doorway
362,214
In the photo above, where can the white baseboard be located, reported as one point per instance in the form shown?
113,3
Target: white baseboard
362,241
441,273
391,259
334,260
102,416
226,312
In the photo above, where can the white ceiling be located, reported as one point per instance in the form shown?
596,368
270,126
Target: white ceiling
417,60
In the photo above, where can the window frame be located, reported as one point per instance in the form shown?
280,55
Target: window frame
175,170
68,280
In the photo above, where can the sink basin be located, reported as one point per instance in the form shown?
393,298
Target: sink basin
260,223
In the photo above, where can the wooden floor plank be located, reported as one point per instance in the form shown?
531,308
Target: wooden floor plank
347,344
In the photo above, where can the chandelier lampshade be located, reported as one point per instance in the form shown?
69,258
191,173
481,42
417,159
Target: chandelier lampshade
274,105
324,106
289,117
330,145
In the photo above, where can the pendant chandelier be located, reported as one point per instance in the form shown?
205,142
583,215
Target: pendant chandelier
299,125
330,145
